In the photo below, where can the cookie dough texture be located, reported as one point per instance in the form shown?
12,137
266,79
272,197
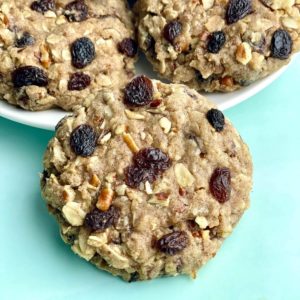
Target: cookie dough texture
106,25
177,199
245,56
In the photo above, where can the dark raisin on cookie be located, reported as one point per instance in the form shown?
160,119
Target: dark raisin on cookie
220,184
100,220
128,47
79,81
83,140
139,92
148,163
172,30
281,44
237,10
83,52
173,243
216,41
135,175
43,6
152,158
29,75
216,119
76,11
25,40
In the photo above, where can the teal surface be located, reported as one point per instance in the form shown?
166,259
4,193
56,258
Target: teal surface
259,261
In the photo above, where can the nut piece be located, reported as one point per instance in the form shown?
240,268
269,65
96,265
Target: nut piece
73,213
183,175
45,56
227,81
105,199
130,142
244,53
165,124
95,181
201,221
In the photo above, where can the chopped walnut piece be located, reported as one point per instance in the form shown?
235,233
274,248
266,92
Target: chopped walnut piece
244,53
105,198
130,142
95,181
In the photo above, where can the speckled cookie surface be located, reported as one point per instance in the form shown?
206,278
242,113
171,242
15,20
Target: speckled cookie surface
218,45
62,53
147,188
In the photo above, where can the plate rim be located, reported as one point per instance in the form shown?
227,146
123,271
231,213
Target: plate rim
18,115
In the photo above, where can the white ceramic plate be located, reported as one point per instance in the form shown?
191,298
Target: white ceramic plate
48,119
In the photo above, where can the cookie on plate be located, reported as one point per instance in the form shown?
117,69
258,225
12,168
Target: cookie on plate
147,183
218,45
62,52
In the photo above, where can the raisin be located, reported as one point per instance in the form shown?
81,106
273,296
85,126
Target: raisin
79,81
76,11
216,119
83,52
172,30
100,220
237,10
152,158
173,243
83,140
29,75
220,184
134,176
148,163
25,40
281,44
139,91
42,6
128,47
216,41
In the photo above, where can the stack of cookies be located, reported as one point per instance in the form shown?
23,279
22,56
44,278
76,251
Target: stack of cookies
145,179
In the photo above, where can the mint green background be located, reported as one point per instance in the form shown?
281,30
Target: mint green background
260,261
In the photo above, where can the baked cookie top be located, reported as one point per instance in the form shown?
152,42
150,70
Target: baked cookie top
62,53
218,45
149,182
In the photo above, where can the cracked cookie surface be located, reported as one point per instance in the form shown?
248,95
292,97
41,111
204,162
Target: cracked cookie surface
74,44
218,45
150,190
